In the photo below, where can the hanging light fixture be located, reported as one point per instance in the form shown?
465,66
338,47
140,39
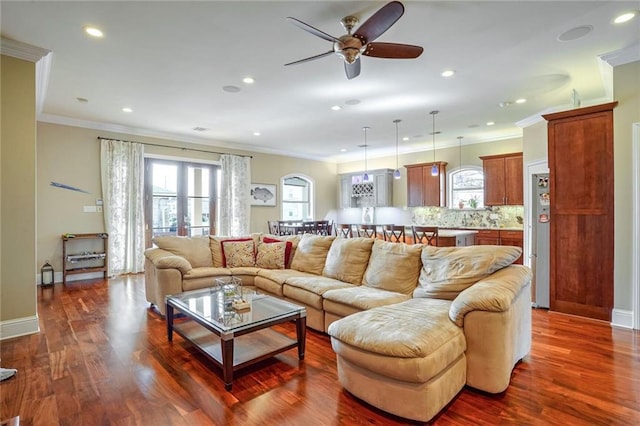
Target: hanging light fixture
460,151
396,173
434,168
365,177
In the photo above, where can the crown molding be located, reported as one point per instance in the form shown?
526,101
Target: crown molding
20,50
622,56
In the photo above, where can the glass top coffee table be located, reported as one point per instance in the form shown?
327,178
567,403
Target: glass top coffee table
232,338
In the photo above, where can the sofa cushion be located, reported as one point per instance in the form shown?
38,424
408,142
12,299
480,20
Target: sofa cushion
311,253
347,259
413,329
293,239
194,249
272,254
393,266
238,253
446,271
309,290
363,297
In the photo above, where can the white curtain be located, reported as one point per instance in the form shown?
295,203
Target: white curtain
235,208
122,169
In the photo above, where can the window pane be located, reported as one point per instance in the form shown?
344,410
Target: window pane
165,188
467,188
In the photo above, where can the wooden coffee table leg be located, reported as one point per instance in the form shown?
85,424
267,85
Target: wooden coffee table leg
226,343
169,316
301,333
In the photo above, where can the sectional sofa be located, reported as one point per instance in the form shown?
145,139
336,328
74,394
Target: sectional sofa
410,324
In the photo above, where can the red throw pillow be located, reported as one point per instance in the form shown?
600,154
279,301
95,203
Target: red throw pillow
224,259
287,251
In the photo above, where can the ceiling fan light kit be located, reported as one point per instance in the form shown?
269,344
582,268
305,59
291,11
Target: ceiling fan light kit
351,46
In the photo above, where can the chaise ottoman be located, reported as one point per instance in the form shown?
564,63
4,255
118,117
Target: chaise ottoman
406,359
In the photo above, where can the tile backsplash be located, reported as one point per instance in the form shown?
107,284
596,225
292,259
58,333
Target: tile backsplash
494,217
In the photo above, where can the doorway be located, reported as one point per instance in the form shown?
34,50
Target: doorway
180,198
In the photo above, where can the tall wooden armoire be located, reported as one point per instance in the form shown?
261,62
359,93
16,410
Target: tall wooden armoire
581,226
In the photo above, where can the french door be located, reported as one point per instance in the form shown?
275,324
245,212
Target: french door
180,198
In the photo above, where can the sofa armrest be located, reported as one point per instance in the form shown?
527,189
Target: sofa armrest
162,259
495,293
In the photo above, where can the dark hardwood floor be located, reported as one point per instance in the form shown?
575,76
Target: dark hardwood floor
102,357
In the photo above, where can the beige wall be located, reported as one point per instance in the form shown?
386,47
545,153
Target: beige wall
470,156
71,155
626,90
18,190
535,143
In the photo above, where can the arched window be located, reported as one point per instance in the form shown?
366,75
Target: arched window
297,197
466,188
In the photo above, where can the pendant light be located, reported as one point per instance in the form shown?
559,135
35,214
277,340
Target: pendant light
365,177
460,151
396,173
434,168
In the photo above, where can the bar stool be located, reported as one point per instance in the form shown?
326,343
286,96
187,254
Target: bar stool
344,230
369,231
393,233
425,235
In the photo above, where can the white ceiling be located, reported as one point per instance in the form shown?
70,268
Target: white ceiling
169,61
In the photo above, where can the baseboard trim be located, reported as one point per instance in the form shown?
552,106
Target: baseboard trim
19,327
57,277
622,318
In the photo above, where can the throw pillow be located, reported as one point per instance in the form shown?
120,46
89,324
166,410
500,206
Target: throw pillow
272,255
446,271
393,267
311,253
288,247
238,253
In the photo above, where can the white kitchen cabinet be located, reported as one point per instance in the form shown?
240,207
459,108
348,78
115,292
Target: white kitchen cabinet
377,192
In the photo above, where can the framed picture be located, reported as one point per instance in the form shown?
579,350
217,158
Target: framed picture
263,194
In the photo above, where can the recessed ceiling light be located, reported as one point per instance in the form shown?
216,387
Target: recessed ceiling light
625,17
231,89
336,107
343,150
448,73
406,138
248,80
521,101
127,109
82,100
490,123
256,133
93,31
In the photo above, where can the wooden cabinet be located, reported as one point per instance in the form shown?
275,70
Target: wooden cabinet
423,189
456,241
501,237
503,183
582,211
377,192
84,253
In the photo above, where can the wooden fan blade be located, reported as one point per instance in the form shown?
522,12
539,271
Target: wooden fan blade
393,50
352,70
312,58
380,22
308,28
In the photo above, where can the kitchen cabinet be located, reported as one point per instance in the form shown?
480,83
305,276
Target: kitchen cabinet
503,183
377,192
456,240
581,188
501,237
423,189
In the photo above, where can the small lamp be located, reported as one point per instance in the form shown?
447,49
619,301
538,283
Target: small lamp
46,275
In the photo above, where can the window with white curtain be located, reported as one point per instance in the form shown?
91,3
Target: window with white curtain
297,198
466,188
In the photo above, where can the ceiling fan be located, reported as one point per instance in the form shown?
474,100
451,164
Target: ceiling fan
351,46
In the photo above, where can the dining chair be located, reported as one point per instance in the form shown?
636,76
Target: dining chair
274,227
323,227
308,228
393,233
344,230
425,235
369,231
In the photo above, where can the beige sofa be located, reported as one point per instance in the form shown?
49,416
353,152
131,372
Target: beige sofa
422,321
